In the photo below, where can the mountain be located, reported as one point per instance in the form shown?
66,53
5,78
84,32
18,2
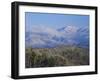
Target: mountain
46,37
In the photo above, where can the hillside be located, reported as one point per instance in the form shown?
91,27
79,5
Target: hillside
58,56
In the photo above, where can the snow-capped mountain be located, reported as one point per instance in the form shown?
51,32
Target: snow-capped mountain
41,37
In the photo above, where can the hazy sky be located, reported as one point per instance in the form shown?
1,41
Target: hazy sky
55,20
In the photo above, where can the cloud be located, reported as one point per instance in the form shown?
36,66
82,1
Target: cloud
44,36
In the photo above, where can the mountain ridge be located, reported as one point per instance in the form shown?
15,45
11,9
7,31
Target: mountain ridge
68,35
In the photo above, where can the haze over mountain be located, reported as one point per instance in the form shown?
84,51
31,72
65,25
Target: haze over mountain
47,37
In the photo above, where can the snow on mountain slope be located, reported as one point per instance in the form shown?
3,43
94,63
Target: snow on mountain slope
46,37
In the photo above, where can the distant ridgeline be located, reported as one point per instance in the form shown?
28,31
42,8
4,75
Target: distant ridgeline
44,37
